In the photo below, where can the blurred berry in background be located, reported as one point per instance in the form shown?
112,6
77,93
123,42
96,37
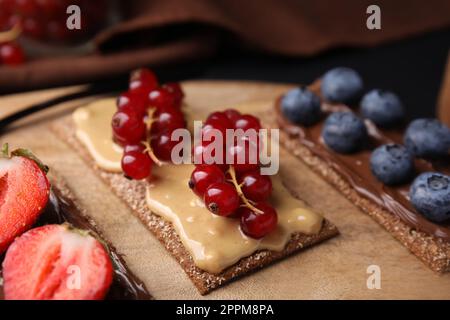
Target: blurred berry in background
45,20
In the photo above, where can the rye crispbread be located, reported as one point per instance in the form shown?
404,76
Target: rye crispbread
133,194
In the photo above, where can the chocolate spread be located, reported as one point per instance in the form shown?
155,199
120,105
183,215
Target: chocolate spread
355,167
125,285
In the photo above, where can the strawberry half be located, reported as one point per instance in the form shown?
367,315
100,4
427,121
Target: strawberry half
56,262
24,192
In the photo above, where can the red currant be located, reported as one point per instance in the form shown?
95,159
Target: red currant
136,163
52,8
221,198
232,114
258,225
209,134
175,89
26,7
219,117
33,28
143,80
4,20
161,98
246,122
162,145
255,186
168,119
46,19
13,20
11,53
128,127
130,100
244,155
206,154
198,154
133,147
7,6
203,176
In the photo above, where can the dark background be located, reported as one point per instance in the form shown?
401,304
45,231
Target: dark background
412,68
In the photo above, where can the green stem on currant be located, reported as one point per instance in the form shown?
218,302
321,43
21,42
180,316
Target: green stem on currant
238,187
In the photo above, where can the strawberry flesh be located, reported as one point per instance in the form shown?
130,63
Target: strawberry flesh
24,193
56,262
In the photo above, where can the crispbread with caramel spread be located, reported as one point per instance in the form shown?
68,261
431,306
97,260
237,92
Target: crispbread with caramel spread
133,193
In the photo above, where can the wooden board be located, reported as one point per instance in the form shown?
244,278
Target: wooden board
336,269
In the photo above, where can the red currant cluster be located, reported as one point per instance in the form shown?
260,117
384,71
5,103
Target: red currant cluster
246,149
46,19
236,190
146,117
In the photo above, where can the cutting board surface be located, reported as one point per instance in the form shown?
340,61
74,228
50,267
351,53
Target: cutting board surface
335,269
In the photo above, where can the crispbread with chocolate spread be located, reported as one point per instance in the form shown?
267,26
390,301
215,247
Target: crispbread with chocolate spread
428,241
133,194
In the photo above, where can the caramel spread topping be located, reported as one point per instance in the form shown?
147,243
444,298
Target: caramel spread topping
214,242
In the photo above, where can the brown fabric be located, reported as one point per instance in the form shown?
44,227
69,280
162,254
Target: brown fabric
169,31
444,96
290,27
74,70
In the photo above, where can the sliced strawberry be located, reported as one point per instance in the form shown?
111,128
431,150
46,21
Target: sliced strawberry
56,262
24,192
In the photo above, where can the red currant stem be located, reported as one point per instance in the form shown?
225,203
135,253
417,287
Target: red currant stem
150,120
148,148
247,202
151,154
11,34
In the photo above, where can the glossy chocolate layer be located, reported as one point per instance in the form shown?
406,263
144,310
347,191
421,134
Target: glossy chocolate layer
125,286
355,168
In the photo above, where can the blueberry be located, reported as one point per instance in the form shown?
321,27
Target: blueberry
384,108
301,106
341,85
428,138
344,132
430,195
392,164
